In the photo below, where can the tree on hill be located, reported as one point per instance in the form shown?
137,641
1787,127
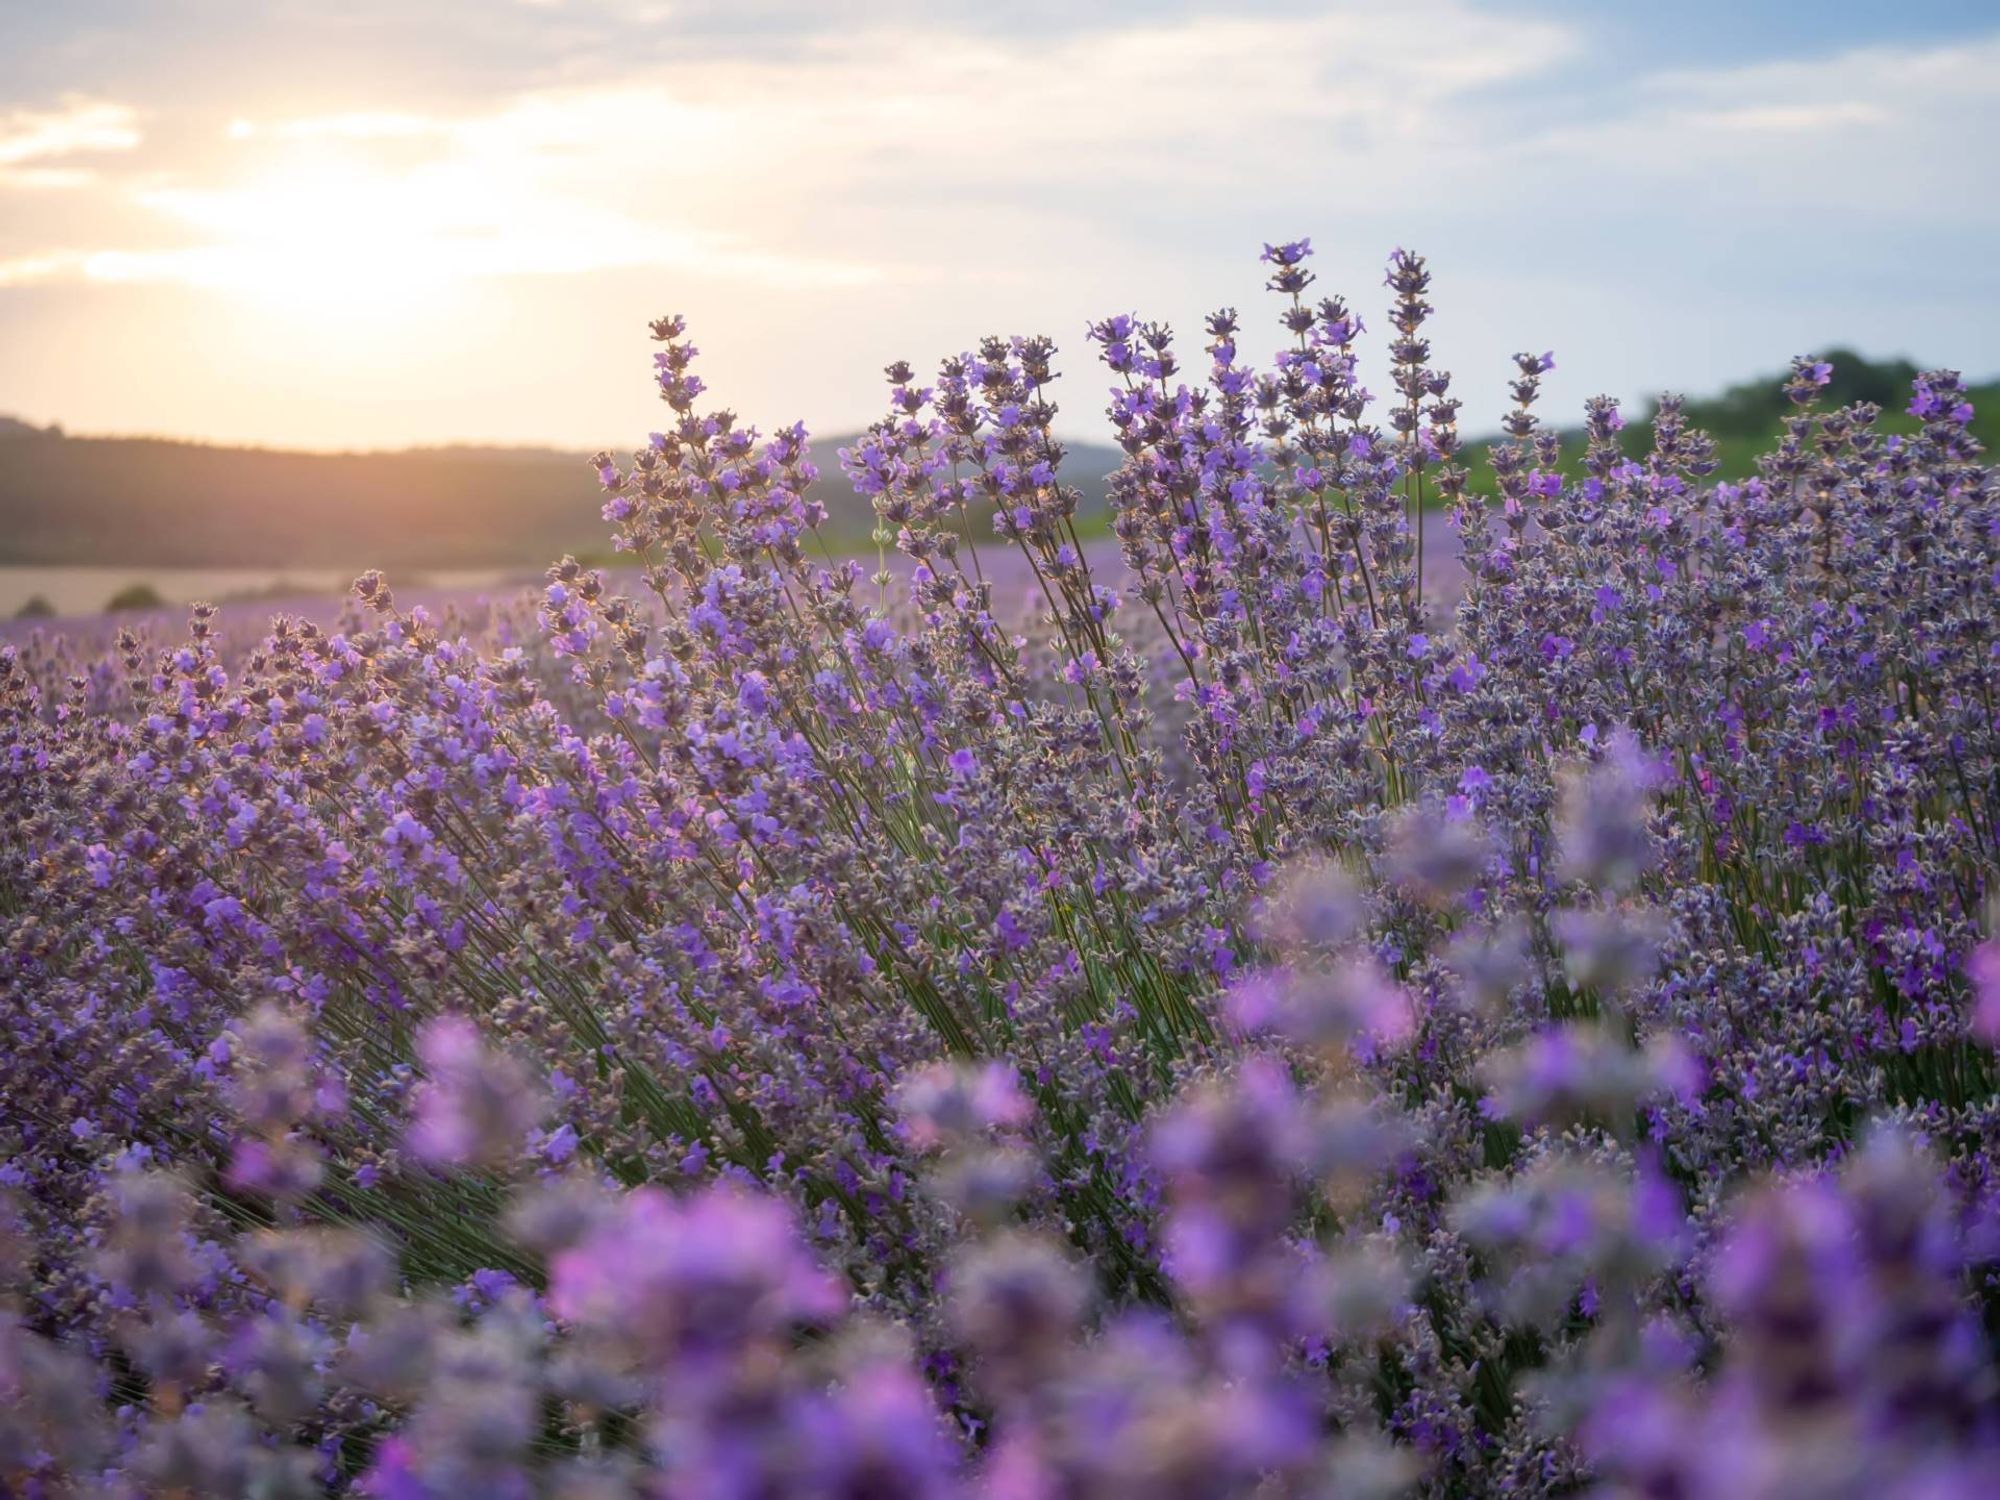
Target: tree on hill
135,596
1756,408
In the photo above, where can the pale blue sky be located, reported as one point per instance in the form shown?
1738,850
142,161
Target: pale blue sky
377,223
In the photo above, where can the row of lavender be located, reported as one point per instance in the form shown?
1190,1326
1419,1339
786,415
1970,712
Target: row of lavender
1229,1031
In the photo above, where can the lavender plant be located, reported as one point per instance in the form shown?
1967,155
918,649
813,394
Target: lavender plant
1188,1016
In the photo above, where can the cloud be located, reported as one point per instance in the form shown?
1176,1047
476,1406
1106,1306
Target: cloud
753,166
1809,119
80,125
374,201
30,139
1199,98
1872,132
22,270
368,126
827,188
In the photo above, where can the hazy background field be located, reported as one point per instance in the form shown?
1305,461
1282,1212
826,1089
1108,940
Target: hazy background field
376,306
86,521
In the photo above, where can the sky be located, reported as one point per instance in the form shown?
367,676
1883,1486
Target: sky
379,223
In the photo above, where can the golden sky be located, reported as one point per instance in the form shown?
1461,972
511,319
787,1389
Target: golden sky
372,224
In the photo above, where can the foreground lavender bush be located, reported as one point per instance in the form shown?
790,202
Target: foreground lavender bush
1227,1029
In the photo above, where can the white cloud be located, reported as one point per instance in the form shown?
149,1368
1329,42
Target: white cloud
1792,118
80,125
1199,98
47,177
753,167
31,139
22,270
366,126
1874,132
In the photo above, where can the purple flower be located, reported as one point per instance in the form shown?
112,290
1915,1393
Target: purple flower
952,1104
1017,1302
1600,1117
877,1432
1351,1001
477,1105
694,1282
1982,967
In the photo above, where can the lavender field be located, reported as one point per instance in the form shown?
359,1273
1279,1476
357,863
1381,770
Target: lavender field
1297,1001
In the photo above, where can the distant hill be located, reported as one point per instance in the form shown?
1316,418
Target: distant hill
1746,419
151,502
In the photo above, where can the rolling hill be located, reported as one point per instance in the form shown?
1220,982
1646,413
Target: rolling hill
1746,419
152,502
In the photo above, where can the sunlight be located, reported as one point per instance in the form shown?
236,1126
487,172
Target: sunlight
326,240
353,221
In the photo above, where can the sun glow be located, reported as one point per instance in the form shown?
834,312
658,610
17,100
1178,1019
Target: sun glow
377,216
325,240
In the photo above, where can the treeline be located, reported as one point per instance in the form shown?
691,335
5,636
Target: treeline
1746,418
151,502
